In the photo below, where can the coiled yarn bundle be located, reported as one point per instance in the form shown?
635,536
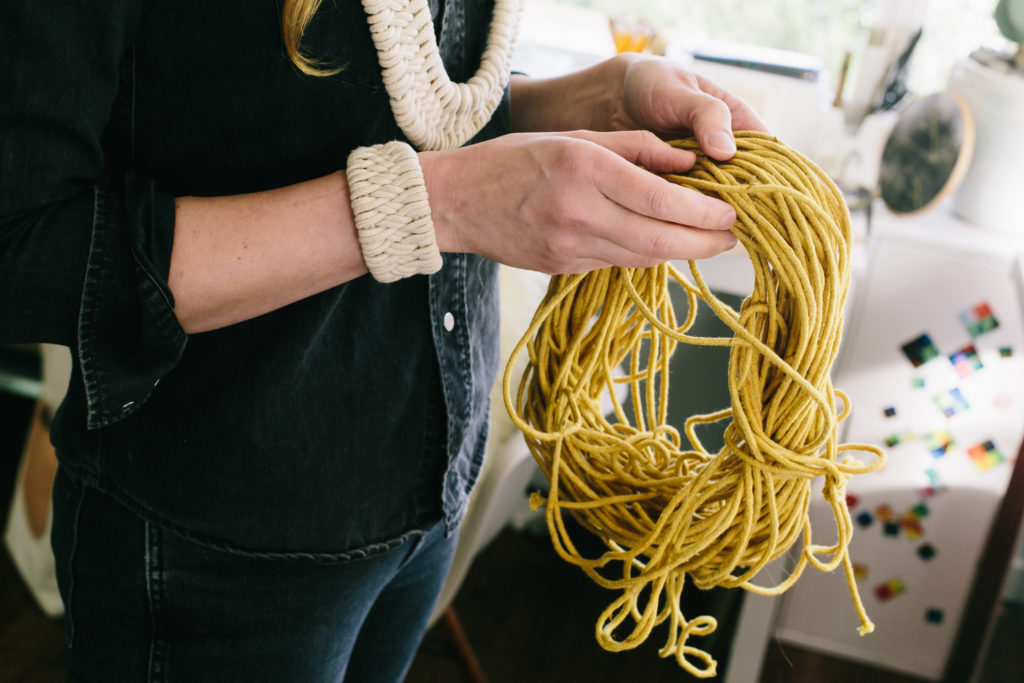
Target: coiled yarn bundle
667,512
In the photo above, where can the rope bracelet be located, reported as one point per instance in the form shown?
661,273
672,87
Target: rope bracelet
392,214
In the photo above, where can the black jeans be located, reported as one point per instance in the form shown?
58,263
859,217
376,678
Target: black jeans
146,604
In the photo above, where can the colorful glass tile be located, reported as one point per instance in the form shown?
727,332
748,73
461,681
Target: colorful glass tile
939,442
951,402
889,589
912,527
884,512
966,361
935,484
978,319
897,438
920,350
889,411
985,455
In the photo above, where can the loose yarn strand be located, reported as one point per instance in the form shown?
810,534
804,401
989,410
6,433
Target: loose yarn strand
668,514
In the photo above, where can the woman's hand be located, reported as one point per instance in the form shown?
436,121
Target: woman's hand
659,96
635,92
573,202
553,202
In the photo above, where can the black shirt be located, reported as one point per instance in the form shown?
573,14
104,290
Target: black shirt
329,426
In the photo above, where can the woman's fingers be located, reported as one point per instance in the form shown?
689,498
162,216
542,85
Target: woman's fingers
620,178
639,190
643,148
650,195
571,203
667,99
708,115
642,218
714,113
642,242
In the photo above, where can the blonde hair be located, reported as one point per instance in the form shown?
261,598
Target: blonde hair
295,17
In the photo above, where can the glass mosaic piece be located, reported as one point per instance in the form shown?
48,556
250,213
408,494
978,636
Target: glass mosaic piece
935,484
939,442
966,361
926,551
897,439
911,526
978,319
951,402
889,589
934,615
920,350
985,455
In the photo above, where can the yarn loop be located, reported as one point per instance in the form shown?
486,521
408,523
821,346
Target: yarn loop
667,513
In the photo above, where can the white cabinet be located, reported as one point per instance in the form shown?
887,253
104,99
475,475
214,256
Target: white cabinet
933,361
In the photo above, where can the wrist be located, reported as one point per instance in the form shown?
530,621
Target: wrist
392,212
454,185
439,181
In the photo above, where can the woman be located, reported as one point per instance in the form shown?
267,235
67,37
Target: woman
278,405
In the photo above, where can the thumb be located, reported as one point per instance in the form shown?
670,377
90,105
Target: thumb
708,116
712,126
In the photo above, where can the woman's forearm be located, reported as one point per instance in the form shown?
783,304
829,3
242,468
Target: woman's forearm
557,203
241,256
580,100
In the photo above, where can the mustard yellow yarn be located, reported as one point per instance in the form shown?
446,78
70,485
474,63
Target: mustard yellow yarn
669,512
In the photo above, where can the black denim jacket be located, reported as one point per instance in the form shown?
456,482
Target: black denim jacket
337,425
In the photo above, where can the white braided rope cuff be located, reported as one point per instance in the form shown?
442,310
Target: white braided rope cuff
389,200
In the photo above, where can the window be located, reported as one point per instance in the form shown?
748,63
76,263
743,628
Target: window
822,28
